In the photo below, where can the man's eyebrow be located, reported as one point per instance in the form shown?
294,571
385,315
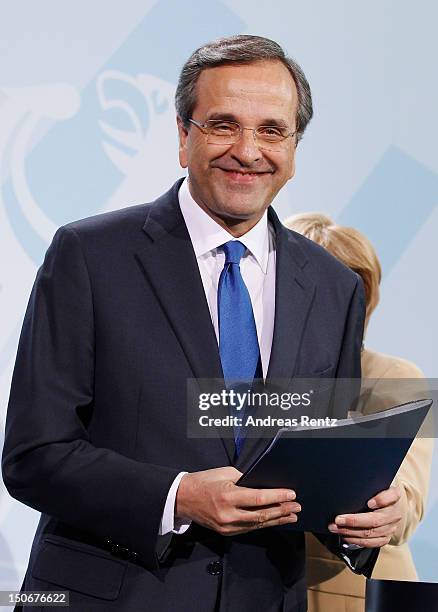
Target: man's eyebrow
223,116
231,117
276,122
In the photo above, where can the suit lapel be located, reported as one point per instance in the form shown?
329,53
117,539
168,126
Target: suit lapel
170,265
294,291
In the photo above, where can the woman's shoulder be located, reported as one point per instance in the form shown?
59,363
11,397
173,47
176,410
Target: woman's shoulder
380,365
382,384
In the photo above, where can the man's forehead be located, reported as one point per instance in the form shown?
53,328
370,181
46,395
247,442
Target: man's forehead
257,79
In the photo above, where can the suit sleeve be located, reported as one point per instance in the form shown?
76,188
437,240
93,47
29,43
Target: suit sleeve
348,371
360,561
49,462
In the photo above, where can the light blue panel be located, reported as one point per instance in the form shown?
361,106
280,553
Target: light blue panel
405,322
393,203
49,41
424,547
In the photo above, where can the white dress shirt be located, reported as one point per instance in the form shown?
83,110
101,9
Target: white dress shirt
258,272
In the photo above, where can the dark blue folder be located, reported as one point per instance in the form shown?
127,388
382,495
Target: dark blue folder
336,470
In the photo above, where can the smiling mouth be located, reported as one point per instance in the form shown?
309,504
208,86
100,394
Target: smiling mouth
243,172
243,177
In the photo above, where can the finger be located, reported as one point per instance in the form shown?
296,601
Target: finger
245,497
266,513
376,532
367,520
282,520
368,543
385,498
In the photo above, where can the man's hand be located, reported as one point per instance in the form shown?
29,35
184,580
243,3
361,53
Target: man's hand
212,499
371,529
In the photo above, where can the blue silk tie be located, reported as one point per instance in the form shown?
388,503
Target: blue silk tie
238,343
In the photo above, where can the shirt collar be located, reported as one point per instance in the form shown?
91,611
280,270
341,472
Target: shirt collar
207,235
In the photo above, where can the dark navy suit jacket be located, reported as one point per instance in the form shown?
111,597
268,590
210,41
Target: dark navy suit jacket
96,427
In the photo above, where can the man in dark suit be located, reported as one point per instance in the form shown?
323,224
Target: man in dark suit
129,305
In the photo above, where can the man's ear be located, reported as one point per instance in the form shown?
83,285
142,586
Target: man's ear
292,168
182,136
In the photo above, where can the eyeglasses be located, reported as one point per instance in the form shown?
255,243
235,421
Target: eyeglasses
268,137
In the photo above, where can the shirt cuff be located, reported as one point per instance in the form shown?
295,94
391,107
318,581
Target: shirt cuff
169,524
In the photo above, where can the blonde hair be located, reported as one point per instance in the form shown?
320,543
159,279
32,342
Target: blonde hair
348,245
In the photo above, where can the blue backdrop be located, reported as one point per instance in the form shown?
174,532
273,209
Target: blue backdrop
87,124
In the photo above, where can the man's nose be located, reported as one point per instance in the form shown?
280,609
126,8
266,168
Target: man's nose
246,149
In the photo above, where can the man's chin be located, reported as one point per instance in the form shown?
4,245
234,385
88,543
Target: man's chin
240,203
241,212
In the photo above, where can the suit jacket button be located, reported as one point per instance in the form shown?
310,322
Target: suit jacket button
108,543
124,553
114,549
215,568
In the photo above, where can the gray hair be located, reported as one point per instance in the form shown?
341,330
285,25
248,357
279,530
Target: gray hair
240,49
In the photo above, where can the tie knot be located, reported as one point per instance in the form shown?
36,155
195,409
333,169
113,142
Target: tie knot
234,251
